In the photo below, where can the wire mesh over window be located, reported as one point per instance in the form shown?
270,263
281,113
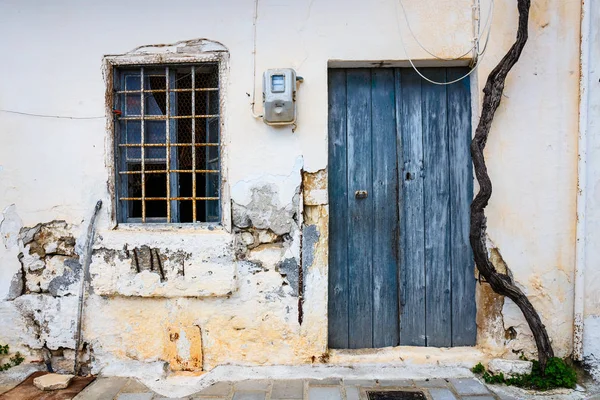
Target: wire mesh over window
167,139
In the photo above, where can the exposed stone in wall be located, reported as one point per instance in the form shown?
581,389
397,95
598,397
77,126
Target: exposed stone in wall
42,299
49,261
262,219
264,211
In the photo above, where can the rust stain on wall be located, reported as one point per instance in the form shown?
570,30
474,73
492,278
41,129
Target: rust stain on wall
314,185
183,347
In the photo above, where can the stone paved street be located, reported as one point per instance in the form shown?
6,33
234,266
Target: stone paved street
329,389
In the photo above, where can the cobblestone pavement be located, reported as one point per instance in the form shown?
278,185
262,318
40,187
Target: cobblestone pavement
329,389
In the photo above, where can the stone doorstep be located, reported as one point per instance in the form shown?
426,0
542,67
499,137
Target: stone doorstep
52,381
510,368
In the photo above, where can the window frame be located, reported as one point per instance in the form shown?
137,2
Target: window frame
135,60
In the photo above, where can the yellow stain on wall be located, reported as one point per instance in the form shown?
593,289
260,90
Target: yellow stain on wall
183,347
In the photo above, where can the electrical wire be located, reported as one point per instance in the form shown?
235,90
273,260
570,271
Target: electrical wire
475,44
48,116
477,63
254,64
487,38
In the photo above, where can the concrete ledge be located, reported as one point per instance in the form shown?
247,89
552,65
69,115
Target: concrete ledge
137,262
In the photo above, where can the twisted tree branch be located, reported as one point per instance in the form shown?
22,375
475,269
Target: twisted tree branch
502,284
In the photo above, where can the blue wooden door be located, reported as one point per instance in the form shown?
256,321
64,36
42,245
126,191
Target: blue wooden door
400,184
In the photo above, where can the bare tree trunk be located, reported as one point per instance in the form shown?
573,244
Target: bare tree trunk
501,283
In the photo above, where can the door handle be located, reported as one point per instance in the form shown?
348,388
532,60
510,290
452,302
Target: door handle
361,194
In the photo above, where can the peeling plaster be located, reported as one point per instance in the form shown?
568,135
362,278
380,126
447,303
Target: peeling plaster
288,268
591,345
10,223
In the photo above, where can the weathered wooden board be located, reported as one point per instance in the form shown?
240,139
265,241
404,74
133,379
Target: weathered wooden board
410,132
385,210
360,210
338,212
464,330
436,189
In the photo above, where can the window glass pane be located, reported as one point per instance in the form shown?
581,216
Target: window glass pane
185,211
134,208
132,104
212,185
132,82
155,104
183,130
154,79
183,77
133,153
155,131
207,76
134,184
155,155
207,103
131,132
213,130
184,157
156,209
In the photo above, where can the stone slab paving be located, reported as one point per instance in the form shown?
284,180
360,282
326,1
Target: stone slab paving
309,389
287,390
102,389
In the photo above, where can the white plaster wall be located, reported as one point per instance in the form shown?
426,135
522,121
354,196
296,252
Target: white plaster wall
591,332
55,168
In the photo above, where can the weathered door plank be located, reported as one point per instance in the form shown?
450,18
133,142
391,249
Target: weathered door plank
410,134
360,210
385,213
436,183
464,330
338,212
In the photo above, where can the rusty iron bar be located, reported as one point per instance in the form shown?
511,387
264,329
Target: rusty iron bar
164,91
206,152
194,141
163,144
168,144
164,198
164,171
85,281
142,140
147,160
164,117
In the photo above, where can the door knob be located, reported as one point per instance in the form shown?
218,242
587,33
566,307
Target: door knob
361,194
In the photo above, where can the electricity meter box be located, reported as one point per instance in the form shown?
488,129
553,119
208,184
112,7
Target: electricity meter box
279,96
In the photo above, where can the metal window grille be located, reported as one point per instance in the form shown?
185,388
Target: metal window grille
167,143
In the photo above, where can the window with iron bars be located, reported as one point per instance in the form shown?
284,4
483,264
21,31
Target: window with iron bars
167,143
